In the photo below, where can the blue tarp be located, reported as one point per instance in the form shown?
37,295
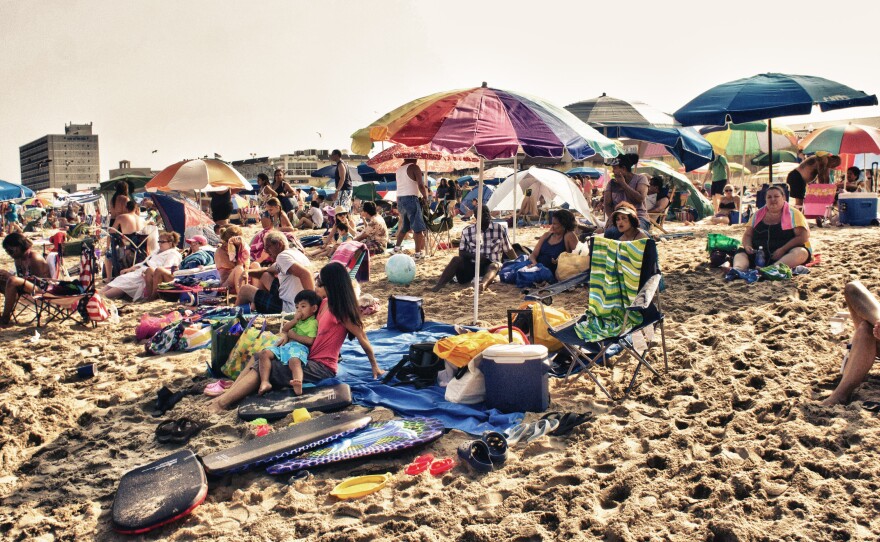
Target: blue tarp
389,346
10,191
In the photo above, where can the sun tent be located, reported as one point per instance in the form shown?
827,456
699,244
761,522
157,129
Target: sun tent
183,215
467,202
554,186
10,191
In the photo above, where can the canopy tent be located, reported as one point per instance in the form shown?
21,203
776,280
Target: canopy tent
467,202
696,199
183,215
554,186
10,191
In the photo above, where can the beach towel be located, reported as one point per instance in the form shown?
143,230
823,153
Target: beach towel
791,217
614,282
346,254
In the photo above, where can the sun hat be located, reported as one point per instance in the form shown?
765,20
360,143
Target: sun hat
200,239
625,211
339,209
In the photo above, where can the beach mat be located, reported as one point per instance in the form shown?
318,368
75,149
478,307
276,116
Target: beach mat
275,405
378,438
284,443
154,495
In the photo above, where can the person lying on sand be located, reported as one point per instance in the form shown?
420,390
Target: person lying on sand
494,244
864,309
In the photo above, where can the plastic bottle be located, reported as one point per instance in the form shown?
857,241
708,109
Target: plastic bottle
760,257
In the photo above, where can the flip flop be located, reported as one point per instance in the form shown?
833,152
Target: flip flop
476,454
176,431
569,421
871,406
442,465
515,434
419,464
497,447
541,428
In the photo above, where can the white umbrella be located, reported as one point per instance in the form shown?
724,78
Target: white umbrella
497,172
206,175
553,185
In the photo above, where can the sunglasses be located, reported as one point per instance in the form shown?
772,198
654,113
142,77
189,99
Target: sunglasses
164,241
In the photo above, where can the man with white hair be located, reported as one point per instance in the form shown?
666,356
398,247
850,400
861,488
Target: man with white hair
280,282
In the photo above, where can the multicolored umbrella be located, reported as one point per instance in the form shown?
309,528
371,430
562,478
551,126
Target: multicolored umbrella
747,138
848,139
490,122
390,160
763,159
207,175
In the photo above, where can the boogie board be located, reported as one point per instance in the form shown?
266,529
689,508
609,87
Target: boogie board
278,404
151,496
284,443
377,438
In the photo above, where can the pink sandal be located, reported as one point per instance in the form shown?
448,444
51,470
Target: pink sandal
217,388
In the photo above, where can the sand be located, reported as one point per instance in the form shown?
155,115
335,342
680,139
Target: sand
729,445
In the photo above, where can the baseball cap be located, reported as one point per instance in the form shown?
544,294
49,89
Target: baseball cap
200,239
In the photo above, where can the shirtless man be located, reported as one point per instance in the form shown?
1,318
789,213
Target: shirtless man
27,263
813,169
130,221
865,313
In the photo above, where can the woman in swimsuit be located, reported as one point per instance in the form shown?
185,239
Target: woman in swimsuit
559,239
726,205
232,258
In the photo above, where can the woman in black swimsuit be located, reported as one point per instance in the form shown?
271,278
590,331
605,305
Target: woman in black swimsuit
728,204
221,207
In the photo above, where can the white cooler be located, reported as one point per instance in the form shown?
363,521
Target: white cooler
516,377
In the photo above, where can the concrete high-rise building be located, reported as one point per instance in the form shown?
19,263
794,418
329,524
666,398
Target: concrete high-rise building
68,161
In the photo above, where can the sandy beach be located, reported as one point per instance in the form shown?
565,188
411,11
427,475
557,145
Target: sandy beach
730,445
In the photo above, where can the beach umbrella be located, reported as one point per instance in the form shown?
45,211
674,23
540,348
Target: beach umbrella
329,171
696,199
590,172
617,118
10,191
763,159
553,185
766,96
205,175
491,123
843,139
748,138
780,172
437,161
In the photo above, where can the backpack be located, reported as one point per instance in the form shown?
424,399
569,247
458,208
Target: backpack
419,367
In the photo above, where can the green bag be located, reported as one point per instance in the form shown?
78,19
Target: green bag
222,342
777,271
718,241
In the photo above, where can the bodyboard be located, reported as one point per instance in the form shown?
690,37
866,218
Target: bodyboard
286,442
377,438
278,404
154,495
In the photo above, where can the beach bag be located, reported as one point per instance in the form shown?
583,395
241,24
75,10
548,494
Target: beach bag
419,367
571,263
469,387
405,313
507,273
533,274
223,340
96,309
718,241
168,339
538,327
459,350
251,342
150,325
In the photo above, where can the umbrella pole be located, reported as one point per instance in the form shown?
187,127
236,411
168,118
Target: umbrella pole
770,147
479,237
428,250
742,174
515,185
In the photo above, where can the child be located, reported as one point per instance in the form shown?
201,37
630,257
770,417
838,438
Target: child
286,360
327,251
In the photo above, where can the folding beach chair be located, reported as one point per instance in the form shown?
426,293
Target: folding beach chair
657,219
127,250
439,222
819,203
614,272
355,256
53,304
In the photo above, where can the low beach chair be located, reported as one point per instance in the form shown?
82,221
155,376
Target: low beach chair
657,219
624,299
51,306
127,250
439,223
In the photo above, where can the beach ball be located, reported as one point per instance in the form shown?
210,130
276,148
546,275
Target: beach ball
401,269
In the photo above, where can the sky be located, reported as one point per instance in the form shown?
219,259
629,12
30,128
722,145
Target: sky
194,78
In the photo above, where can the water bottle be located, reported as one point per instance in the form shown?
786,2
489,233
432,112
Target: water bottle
760,257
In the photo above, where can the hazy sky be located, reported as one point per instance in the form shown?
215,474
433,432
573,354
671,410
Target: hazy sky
197,77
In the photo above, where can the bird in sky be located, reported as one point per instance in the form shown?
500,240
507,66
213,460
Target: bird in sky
155,151
319,135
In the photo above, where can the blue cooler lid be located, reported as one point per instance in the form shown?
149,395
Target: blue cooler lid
514,353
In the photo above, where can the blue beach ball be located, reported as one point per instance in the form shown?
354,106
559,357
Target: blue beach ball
401,269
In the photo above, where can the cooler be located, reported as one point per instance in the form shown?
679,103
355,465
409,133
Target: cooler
857,208
516,377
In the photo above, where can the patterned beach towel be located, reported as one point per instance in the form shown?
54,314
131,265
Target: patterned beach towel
615,271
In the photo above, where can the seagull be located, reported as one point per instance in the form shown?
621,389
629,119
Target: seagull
155,151
319,135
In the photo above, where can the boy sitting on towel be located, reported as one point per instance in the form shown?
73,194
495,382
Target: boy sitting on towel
283,364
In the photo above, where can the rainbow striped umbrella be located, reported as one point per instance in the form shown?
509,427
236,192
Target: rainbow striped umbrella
206,174
848,139
490,122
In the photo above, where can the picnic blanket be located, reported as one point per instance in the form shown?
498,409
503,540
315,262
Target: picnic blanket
615,271
390,345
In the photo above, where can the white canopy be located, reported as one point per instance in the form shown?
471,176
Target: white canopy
555,186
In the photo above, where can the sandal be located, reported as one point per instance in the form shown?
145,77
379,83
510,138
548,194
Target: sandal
476,454
516,433
569,421
541,428
497,447
871,406
176,431
217,388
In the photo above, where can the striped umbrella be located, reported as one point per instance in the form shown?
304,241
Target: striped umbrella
207,175
390,160
848,139
747,138
493,124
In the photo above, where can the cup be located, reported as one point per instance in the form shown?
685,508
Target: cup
837,323
86,371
